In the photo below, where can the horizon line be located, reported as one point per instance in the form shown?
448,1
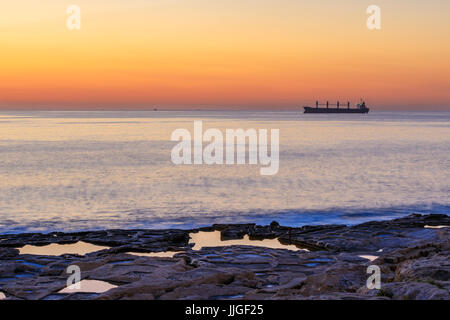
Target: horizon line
175,109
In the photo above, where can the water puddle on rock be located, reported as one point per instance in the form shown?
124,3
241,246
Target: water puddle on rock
88,286
368,257
213,239
436,227
165,254
54,249
121,262
31,264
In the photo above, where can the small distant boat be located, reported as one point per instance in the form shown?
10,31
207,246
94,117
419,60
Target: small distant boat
360,108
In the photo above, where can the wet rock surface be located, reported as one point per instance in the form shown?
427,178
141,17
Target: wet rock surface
414,263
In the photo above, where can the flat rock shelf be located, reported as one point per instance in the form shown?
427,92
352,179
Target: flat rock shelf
309,262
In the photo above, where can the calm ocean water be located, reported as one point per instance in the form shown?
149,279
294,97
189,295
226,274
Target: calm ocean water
93,170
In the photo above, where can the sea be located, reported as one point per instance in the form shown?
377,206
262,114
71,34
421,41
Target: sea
90,170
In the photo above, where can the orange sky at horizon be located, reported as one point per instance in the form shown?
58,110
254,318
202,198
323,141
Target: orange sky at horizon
224,54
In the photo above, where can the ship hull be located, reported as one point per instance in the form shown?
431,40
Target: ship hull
335,110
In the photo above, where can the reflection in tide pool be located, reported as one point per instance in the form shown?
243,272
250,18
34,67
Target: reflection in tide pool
165,254
201,240
54,249
73,171
369,257
88,286
436,227
213,239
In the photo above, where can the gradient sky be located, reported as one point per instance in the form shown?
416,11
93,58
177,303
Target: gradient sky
224,54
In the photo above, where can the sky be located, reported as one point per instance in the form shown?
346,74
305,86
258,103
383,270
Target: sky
224,54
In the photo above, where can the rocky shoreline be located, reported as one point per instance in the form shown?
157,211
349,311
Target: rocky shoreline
413,254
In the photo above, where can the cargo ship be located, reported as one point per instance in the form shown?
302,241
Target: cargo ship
340,108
